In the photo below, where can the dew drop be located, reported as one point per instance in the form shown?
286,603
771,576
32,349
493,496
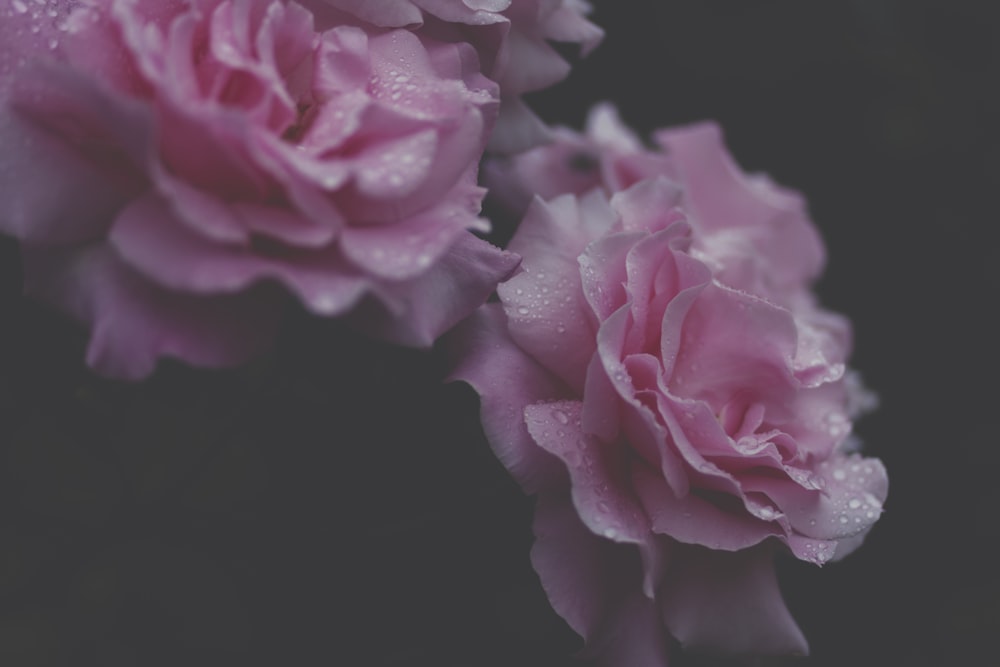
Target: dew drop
854,503
560,416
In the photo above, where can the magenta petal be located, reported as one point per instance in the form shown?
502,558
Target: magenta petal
416,311
507,380
695,520
729,602
599,485
134,323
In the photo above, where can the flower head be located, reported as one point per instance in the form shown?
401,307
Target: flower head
659,373
176,160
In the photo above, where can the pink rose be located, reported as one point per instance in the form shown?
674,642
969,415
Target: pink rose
658,374
512,38
169,163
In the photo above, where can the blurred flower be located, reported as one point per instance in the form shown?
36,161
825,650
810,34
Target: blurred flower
167,162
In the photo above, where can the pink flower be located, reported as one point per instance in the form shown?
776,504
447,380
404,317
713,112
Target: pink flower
658,374
512,38
168,163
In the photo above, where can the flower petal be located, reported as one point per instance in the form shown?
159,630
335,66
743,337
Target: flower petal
418,310
507,380
134,323
695,520
599,482
729,602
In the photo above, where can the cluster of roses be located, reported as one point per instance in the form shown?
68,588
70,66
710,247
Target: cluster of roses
656,369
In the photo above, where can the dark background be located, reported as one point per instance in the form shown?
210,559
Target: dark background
335,503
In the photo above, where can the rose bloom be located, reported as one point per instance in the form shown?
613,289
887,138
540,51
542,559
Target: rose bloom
174,168
658,373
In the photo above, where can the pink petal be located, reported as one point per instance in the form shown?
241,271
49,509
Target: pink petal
599,480
507,380
517,128
695,520
603,271
544,303
67,156
532,64
735,342
568,24
719,195
418,310
640,424
577,568
383,13
848,504
594,585
134,323
407,248
27,33
651,205
632,637
729,602
152,240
